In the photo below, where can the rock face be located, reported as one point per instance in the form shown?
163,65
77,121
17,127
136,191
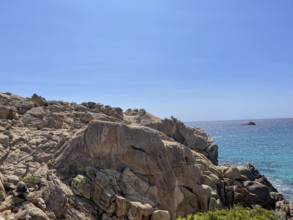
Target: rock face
195,139
63,160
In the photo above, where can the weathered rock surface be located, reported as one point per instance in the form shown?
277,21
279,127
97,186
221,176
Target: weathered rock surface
63,160
196,139
284,210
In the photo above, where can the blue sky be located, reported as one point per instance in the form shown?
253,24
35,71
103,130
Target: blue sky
195,60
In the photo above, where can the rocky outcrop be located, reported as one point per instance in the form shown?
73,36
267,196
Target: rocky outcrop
194,138
251,123
63,160
132,161
284,210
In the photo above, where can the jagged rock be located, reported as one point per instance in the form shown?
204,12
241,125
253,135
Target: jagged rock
81,208
54,121
55,108
4,140
86,117
131,112
81,108
29,211
11,99
195,139
37,112
5,112
113,112
25,106
116,146
56,196
130,165
245,171
212,153
39,100
141,112
284,210
9,105
34,117
80,186
262,193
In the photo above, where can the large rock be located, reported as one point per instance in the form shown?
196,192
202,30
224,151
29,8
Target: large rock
284,210
246,172
195,139
39,100
29,211
232,173
35,117
152,172
62,160
80,186
5,112
56,196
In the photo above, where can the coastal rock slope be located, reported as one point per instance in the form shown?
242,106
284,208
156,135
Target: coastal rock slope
62,160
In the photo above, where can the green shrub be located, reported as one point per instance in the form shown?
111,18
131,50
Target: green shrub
235,213
31,180
50,163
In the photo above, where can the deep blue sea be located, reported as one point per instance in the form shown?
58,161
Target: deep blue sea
268,146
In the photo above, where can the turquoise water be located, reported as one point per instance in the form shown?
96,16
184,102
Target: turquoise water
268,146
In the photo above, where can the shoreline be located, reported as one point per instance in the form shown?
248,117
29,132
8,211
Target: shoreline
96,161
268,132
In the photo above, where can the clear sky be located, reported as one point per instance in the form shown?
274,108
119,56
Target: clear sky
193,59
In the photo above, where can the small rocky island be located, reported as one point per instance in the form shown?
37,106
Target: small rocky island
61,160
251,123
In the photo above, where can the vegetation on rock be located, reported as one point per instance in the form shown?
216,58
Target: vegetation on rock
61,160
31,180
235,213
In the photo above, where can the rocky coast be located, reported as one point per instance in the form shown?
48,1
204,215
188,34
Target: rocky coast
61,160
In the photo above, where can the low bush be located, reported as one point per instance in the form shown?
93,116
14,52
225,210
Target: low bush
235,213
31,180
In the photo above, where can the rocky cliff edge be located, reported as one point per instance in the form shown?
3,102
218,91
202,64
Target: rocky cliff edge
61,160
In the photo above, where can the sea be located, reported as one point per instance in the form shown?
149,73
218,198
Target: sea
268,146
